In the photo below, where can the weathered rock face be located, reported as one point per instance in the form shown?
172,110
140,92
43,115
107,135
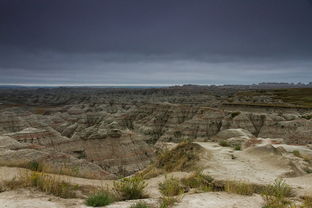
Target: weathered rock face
50,161
85,140
168,122
117,132
122,156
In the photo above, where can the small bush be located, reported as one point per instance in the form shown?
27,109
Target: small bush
140,205
198,180
171,187
237,147
238,187
130,188
296,153
99,199
224,143
234,114
34,166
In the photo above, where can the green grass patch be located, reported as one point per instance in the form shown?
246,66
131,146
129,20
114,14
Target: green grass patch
224,143
101,198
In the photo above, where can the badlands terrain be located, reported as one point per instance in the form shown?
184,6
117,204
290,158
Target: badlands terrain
239,142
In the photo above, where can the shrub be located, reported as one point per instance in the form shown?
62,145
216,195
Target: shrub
171,187
99,199
234,114
237,147
140,205
130,188
296,153
238,187
224,143
34,166
198,180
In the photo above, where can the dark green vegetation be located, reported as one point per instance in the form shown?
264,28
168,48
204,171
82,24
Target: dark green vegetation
99,199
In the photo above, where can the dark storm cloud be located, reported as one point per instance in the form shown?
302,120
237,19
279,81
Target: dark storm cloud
174,41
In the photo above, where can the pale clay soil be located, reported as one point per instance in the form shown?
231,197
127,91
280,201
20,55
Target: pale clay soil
219,163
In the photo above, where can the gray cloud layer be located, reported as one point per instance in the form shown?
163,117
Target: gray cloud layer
149,42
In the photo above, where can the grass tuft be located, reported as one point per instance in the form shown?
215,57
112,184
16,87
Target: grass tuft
130,188
171,187
181,158
101,198
224,143
198,180
239,187
275,195
167,202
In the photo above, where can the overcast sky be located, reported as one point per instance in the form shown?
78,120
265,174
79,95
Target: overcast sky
155,41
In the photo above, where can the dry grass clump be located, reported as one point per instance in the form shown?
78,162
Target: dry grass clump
151,172
275,195
167,202
181,158
171,187
278,189
199,181
43,182
130,188
307,202
50,184
239,187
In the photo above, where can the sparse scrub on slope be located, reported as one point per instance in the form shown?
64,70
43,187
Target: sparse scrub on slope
181,158
184,157
199,181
